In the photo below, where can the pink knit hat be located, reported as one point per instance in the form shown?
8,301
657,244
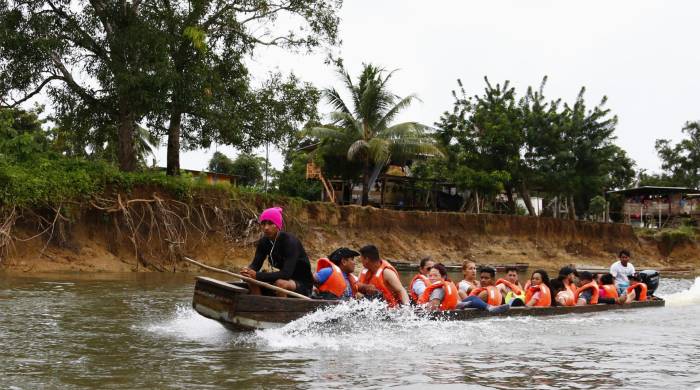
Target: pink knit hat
273,215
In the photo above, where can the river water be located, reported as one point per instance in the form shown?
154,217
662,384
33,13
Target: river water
138,331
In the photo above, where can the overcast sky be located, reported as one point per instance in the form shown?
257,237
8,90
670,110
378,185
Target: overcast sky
642,54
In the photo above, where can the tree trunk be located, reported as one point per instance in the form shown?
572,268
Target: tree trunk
125,133
572,208
525,193
365,184
173,167
511,202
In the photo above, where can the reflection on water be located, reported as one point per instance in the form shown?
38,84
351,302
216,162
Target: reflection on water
138,331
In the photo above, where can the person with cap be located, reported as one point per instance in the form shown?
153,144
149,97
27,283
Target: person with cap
284,252
621,270
379,279
334,275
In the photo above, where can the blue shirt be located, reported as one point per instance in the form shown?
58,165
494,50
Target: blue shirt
323,275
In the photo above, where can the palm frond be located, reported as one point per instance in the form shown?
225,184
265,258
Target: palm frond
347,121
378,150
335,100
410,148
392,112
356,149
405,130
326,132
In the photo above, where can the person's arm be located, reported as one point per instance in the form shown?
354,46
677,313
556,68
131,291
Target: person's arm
614,271
484,295
535,298
321,276
261,252
290,256
560,299
395,287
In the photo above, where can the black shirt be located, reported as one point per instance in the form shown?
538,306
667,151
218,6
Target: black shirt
287,254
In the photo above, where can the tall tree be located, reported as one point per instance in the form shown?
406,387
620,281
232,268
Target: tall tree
109,65
97,59
366,124
682,160
209,96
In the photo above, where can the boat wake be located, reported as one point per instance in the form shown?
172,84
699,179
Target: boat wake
368,325
691,296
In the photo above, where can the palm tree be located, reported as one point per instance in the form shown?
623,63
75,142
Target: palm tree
366,128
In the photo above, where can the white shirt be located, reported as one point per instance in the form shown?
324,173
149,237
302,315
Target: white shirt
419,287
621,273
464,286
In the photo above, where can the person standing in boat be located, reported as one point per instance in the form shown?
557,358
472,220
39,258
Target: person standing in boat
284,252
379,279
469,282
621,271
421,281
334,275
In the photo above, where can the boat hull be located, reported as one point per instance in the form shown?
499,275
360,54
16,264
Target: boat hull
233,307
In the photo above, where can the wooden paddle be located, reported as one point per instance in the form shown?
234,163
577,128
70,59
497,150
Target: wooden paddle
247,279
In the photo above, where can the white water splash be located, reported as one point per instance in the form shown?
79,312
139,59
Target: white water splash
687,297
187,324
368,325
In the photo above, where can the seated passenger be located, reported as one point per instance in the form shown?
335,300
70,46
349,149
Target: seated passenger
562,295
334,275
379,279
637,291
538,293
587,292
608,290
441,294
512,291
420,281
568,276
469,282
486,297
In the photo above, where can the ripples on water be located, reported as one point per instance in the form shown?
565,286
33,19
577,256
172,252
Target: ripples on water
143,334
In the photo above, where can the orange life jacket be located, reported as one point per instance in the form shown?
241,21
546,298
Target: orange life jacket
335,284
572,287
449,302
570,298
610,291
494,298
643,294
593,286
411,293
377,280
545,295
513,287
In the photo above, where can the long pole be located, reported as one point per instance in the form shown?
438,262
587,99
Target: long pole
267,161
247,279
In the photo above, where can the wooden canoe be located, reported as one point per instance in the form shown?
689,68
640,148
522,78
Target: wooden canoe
233,307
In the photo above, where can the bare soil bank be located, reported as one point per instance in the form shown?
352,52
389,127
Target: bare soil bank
151,232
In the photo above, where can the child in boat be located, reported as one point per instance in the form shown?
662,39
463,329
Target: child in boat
486,297
469,282
334,275
538,292
420,282
441,294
